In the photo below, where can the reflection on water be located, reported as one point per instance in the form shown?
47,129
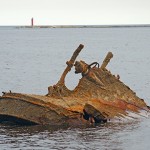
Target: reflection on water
113,135
47,137
33,59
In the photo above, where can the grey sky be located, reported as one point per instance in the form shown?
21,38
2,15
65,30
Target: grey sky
77,12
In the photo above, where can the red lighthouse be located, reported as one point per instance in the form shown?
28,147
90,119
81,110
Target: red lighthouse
32,22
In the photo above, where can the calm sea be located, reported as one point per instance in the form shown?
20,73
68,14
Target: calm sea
33,59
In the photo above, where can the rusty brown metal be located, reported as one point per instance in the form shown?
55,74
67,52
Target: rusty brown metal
70,64
60,88
106,60
98,97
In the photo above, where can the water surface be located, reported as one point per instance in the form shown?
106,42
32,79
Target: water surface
33,59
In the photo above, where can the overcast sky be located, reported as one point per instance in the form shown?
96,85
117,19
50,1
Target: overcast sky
74,12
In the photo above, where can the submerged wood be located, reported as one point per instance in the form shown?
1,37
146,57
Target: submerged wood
99,97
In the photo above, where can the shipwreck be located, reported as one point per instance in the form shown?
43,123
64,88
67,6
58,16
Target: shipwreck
99,97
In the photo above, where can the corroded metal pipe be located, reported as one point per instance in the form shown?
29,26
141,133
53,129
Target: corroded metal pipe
70,64
106,60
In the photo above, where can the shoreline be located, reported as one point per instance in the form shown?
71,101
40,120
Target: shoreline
78,26
84,26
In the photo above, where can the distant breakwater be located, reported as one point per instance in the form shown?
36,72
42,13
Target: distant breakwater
84,26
